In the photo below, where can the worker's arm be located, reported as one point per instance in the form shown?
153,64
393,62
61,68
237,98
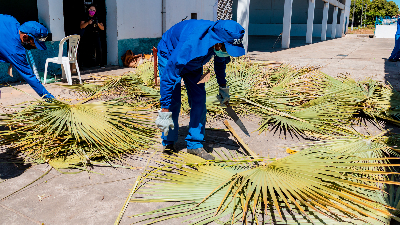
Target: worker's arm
10,70
168,81
84,24
101,26
219,68
20,63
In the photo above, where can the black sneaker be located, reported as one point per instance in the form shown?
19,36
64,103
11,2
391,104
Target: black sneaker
201,152
169,149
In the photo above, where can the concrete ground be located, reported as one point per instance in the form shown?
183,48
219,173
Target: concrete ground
91,198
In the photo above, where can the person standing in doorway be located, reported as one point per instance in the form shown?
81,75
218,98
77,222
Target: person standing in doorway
90,44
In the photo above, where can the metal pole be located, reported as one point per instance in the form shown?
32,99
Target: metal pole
352,20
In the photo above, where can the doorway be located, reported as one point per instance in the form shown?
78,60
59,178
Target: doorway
22,10
76,11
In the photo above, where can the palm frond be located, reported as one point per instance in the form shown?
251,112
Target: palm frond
318,184
45,130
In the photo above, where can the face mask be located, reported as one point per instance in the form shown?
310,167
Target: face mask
91,13
221,53
27,45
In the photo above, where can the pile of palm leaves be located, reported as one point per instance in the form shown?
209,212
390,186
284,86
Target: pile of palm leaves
59,129
301,101
339,181
129,88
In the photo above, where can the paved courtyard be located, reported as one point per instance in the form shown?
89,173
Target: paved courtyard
97,198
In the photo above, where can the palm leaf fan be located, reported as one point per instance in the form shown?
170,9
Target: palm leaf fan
314,186
43,130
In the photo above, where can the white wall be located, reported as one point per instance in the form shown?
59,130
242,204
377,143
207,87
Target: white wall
43,12
51,14
347,13
112,32
385,31
179,9
127,19
143,18
139,19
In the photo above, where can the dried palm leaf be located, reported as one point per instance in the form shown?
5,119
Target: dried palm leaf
315,185
43,130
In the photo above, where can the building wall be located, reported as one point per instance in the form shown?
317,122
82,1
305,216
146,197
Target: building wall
22,10
51,15
266,17
177,10
139,23
296,29
139,19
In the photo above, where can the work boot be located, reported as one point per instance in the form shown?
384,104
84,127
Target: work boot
169,149
200,152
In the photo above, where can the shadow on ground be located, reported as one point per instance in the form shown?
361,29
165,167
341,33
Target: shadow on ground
213,139
10,165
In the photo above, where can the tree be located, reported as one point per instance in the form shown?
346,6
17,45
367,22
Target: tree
375,8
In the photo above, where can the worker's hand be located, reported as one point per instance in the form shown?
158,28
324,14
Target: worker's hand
223,96
164,121
10,70
90,21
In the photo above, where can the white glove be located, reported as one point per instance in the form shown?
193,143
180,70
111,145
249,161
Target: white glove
223,96
164,121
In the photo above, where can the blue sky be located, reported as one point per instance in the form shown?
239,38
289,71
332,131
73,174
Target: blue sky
397,2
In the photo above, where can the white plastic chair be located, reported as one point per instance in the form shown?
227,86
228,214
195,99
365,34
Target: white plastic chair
65,61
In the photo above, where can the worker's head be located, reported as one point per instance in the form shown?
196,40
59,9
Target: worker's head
33,35
231,34
92,10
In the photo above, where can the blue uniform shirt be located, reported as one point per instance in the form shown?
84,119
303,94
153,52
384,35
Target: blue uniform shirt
186,47
12,51
398,27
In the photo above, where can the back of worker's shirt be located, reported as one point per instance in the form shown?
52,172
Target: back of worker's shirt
188,60
172,37
11,49
179,34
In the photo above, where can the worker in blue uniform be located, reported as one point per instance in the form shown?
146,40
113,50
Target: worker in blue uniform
14,40
182,52
396,50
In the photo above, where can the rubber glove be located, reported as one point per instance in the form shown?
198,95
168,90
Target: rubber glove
164,121
223,96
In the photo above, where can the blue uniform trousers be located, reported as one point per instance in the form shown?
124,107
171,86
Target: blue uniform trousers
396,50
197,102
